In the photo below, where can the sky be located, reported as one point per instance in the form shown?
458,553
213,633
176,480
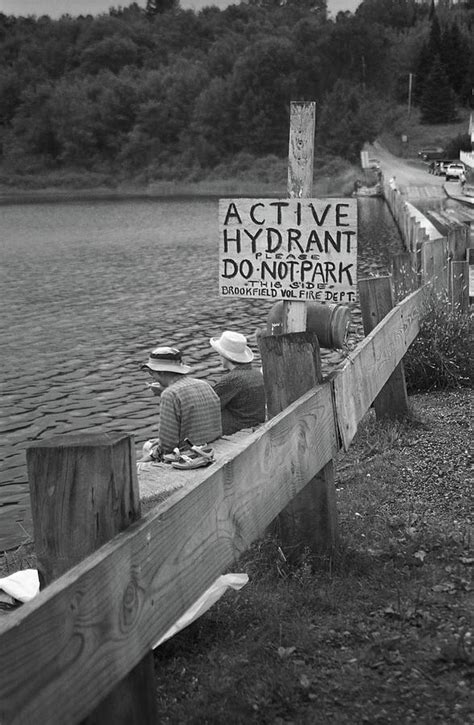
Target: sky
56,8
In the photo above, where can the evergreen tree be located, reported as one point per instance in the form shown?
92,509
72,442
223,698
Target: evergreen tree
437,102
422,71
157,7
434,41
455,57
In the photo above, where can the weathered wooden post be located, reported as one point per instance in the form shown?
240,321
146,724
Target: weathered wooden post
292,366
404,277
458,244
460,285
376,301
434,265
84,491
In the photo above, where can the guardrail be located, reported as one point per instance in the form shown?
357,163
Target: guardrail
63,652
431,256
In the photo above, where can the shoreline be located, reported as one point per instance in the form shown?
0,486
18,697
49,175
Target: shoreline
24,196
324,186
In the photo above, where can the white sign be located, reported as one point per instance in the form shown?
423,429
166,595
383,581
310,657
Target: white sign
364,159
293,249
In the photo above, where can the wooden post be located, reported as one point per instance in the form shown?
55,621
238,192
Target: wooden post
404,276
84,491
434,264
292,365
460,286
376,300
458,242
458,245
300,185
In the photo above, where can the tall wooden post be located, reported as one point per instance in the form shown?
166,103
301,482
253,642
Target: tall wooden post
459,284
376,301
300,185
405,279
292,366
84,491
458,244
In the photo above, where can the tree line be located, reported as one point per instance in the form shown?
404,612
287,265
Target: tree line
159,87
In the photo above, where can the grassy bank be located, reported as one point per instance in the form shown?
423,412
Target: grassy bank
245,175
379,633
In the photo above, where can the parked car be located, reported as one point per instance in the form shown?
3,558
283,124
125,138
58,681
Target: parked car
441,166
374,164
454,171
431,153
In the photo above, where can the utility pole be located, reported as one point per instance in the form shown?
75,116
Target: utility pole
410,88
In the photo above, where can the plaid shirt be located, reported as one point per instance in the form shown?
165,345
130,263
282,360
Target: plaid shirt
242,398
189,408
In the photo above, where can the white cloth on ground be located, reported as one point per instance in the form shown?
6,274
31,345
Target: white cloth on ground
22,585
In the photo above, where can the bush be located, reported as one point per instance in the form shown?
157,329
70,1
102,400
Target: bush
440,357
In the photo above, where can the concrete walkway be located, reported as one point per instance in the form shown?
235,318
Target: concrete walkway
454,191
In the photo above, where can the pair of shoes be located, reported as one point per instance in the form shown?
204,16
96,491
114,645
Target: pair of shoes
185,462
170,457
195,457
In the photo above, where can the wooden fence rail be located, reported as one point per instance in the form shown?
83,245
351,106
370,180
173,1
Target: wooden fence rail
63,652
440,258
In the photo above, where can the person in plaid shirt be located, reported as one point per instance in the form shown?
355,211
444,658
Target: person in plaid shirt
189,407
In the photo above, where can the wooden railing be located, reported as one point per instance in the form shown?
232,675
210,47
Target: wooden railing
89,630
440,259
63,652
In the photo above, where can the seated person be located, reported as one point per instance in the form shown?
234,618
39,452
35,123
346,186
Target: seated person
189,407
241,391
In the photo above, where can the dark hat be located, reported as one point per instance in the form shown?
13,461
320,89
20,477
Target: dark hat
167,359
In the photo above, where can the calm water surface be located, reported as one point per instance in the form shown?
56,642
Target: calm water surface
87,288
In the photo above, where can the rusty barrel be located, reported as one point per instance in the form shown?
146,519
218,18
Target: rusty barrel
330,322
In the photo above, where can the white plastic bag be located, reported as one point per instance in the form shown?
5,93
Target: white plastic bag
205,602
22,585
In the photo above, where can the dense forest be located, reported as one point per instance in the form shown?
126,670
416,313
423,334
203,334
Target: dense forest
161,89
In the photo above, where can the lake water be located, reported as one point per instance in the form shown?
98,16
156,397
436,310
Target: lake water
88,288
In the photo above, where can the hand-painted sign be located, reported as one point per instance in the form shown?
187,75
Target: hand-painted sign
294,249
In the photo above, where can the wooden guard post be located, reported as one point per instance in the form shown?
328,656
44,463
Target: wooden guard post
458,244
292,366
84,491
376,301
405,278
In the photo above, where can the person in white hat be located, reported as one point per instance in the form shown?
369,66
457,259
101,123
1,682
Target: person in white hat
189,407
241,391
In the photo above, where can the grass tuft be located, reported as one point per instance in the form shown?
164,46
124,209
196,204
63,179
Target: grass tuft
441,356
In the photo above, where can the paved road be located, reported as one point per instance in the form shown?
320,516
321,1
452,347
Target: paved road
411,175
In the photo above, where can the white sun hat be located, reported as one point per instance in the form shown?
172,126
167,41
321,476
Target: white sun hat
167,360
233,346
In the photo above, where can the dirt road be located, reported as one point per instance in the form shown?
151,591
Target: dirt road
408,173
